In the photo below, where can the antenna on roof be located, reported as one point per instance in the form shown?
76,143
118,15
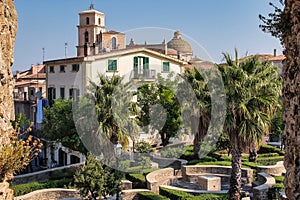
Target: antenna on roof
43,49
92,6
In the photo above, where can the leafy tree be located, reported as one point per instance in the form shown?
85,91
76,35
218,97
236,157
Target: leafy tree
58,125
252,91
95,180
143,147
159,99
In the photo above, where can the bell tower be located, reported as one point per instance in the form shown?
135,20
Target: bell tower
90,28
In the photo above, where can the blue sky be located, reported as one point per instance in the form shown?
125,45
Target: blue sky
217,26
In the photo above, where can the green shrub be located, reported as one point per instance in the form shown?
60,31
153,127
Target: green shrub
172,152
279,179
138,180
22,189
269,160
174,194
267,155
209,197
150,196
279,187
143,147
270,149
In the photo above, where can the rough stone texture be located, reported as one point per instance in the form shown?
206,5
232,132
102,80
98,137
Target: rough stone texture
8,29
291,98
132,194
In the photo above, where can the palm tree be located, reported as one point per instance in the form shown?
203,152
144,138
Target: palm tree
200,116
104,94
252,90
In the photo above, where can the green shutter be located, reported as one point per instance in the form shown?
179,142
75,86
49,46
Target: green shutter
166,66
135,63
112,65
146,63
135,66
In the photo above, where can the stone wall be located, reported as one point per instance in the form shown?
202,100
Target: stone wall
132,194
261,192
45,174
168,162
191,172
159,177
47,194
274,170
8,26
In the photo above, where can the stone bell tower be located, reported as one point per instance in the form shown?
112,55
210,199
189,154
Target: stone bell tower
90,28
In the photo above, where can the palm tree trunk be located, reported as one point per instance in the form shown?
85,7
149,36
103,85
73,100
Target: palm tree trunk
236,173
291,99
252,155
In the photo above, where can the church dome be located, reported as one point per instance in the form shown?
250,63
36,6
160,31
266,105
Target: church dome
179,44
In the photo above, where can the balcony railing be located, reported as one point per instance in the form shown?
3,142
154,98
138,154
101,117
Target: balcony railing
143,74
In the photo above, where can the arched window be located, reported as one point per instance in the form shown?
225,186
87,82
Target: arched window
87,20
86,37
113,43
99,21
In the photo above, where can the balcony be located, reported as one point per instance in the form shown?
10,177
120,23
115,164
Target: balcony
149,74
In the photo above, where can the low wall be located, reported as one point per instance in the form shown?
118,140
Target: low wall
132,194
190,173
168,162
159,177
274,170
44,174
261,192
47,194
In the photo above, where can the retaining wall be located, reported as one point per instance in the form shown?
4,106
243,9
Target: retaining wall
190,173
261,192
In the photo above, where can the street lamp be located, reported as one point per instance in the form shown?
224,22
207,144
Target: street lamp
118,152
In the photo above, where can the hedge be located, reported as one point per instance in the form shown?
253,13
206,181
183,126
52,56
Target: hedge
138,180
26,188
181,195
151,196
270,149
174,194
279,179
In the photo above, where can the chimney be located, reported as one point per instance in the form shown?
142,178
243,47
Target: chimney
34,69
275,52
165,47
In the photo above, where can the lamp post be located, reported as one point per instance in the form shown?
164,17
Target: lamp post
118,152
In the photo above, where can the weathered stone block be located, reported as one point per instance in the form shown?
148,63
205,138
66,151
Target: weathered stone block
209,182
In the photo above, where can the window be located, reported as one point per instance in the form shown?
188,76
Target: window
166,66
75,67
87,20
141,67
112,65
62,92
99,21
51,95
113,43
41,89
86,37
74,93
62,68
51,69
